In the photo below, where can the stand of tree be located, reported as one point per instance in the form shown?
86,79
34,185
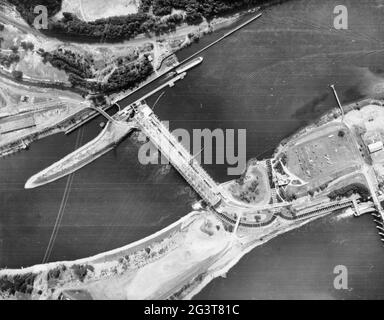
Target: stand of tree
125,77
347,191
129,76
149,19
81,270
130,71
22,283
7,60
114,28
251,193
70,62
197,9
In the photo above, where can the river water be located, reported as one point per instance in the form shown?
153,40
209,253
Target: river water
269,78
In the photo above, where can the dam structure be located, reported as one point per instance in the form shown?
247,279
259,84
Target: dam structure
176,154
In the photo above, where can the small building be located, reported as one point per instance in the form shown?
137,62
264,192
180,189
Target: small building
376,146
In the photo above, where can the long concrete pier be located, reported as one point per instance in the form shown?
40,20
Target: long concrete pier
116,129
222,38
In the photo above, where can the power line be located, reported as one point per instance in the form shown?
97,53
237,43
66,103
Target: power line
63,204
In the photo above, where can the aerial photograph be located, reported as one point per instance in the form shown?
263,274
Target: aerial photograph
194,150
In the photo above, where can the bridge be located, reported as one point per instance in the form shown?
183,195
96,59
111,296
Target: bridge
101,111
176,154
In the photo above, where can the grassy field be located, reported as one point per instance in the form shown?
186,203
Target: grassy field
253,187
32,66
323,153
90,10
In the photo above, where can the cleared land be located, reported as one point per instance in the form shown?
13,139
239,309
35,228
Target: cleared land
152,268
325,153
30,61
370,121
32,66
90,10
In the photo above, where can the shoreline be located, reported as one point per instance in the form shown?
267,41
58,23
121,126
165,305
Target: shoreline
205,270
326,117
22,143
223,264
221,272
220,265
103,255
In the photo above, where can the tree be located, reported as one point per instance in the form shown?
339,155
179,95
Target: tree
347,191
27,45
18,75
14,48
54,273
80,271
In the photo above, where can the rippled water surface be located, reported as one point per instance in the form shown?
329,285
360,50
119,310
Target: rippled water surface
270,78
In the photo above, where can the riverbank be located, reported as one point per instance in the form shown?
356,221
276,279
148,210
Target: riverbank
326,117
176,262
140,261
200,242
173,43
44,126
226,263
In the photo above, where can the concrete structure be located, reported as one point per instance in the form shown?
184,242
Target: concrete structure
177,155
376,146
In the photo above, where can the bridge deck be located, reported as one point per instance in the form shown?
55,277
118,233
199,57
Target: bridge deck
177,155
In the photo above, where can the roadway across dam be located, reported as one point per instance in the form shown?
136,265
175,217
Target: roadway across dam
177,155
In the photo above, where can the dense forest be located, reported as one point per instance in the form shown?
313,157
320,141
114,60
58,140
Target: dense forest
149,19
196,9
81,75
128,76
114,28
70,62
